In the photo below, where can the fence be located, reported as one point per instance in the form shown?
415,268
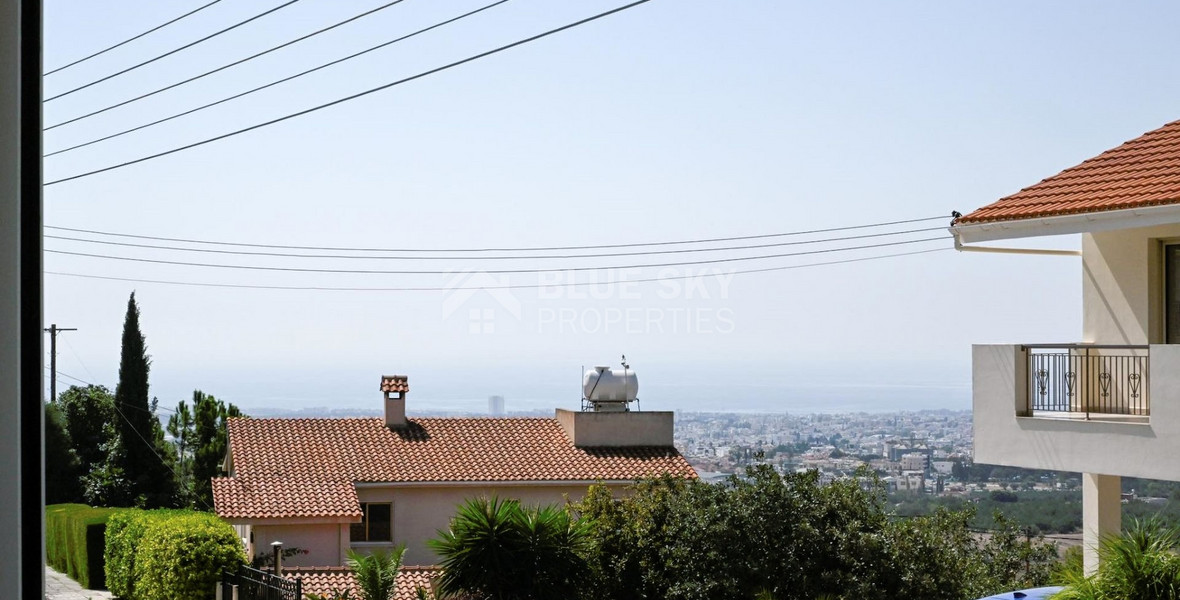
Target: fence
252,584
1084,378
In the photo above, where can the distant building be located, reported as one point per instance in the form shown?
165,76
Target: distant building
495,405
943,467
913,461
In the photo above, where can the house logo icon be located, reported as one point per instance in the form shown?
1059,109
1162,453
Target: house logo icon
483,296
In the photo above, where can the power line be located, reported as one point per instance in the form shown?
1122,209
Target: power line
132,38
539,257
492,271
481,288
520,249
271,84
171,52
229,65
353,96
126,404
151,447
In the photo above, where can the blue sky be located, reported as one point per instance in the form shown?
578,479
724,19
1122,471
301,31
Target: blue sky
674,120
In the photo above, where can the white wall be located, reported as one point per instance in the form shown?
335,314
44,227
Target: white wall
999,386
623,428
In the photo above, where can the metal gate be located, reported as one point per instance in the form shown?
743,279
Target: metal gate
251,584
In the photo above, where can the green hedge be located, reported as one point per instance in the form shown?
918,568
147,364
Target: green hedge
125,531
183,556
74,542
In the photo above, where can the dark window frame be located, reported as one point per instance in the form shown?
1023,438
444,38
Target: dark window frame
365,527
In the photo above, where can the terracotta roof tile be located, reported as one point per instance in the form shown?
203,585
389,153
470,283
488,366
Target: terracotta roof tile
395,383
305,453
1140,173
326,580
278,497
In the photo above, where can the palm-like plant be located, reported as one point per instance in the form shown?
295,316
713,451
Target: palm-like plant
499,550
1140,563
376,573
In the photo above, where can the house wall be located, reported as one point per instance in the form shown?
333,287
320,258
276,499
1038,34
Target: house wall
1000,390
1122,285
326,543
614,429
420,512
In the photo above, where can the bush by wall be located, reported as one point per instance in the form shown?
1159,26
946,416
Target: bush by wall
74,540
125,531
183,556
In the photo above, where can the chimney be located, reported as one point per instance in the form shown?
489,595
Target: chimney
395,387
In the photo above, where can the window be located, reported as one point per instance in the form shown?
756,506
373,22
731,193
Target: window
375,525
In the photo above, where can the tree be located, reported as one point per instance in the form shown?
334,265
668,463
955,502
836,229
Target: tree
62,483
210,442
89,414
180,427
790,538
499,550
145,461
376,573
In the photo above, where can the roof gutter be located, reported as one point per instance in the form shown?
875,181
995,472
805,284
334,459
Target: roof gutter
1107,220
1037,251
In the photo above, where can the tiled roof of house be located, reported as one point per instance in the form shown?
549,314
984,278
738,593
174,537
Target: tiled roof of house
1140,173
327,580
278,497
305,453
395,383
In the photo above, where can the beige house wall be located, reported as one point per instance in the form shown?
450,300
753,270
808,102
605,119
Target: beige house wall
327,544
1122,285
420,512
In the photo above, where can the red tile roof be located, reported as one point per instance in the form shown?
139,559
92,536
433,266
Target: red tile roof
279,497
395,383
308,453
326,580
1140,173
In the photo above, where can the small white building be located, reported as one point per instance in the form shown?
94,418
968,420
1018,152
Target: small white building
1108,403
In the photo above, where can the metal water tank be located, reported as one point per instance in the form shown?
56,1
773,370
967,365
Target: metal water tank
604,384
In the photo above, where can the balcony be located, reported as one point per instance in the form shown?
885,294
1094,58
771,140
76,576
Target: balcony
1087,381
1087,408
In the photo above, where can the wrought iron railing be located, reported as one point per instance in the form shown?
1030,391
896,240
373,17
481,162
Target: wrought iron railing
1088,378
253,584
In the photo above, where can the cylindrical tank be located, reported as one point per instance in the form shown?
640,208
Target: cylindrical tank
604,384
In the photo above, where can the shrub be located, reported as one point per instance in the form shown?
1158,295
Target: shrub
1140,563
74,539
183,556
125,532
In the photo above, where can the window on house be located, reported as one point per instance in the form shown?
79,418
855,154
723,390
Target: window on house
376,523
1172,293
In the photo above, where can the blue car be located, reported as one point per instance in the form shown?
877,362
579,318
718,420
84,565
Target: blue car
1040,593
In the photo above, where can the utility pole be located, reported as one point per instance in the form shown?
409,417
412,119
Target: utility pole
53,331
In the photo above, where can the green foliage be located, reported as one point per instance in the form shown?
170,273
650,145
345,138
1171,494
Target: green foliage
210,441
180,427
1140,563
789,537
89,417
376,573
125,531
146,457
62,483
183,556
1069,568
74,542
332,595
500,550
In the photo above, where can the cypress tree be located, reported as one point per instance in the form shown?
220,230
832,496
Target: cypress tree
144,464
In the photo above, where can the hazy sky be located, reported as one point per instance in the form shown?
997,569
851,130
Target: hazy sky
674,120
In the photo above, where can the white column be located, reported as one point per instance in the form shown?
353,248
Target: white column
1102,514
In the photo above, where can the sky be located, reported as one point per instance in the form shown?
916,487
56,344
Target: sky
673,120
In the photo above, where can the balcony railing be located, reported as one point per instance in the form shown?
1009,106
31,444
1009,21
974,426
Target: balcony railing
1088,379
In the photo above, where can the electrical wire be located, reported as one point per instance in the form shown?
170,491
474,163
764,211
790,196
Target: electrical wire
518,249
268,85
229,65
484,257
491,271
353,96
171,52
131,39
126,404
157,454
480,288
